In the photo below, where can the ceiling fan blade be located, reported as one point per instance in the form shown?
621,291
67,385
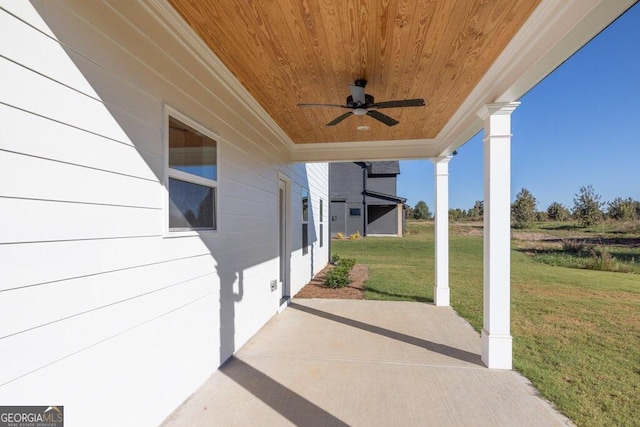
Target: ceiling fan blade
339,119
322,105
357,92
418,102
389,121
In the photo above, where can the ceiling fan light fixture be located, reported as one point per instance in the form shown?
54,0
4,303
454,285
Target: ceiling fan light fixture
363,127
359,111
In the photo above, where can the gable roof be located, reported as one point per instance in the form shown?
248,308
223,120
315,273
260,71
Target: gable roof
384,196
384,168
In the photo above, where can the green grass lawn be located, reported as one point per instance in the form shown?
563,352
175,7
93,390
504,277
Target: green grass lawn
576,332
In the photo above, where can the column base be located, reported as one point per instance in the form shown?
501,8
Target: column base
497,350
441,296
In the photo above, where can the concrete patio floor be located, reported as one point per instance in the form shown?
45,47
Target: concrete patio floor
364,363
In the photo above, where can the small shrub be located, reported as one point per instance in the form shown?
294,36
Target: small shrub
347,263
602,260
355,235
339,235
338,277
574,246
335,258
413,228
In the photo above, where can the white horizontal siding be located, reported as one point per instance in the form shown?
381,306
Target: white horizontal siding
95,292
238,190
45,55
49,221
127,317
248,164
66,338
25,11
61,181
240,207
102,373
37,94
30,264
39,136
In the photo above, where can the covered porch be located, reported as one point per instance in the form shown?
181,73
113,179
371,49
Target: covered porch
469,62
355,362
120,309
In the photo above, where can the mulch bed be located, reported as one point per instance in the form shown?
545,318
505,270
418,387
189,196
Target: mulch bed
354,290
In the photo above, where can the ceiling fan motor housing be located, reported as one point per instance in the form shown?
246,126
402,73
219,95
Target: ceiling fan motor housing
368,100
361,82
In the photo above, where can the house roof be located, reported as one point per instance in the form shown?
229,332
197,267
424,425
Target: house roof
457,55
385,196
384,168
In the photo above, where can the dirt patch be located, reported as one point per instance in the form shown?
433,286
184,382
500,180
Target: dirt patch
466,228
355,290
530,236
531,242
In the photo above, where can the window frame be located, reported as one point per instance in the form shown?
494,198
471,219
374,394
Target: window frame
188,177
359,214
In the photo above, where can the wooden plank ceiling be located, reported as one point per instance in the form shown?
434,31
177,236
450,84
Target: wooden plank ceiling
287,52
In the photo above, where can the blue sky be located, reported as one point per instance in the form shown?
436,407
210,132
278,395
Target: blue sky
580,126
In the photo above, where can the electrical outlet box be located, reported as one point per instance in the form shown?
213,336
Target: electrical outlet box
274,285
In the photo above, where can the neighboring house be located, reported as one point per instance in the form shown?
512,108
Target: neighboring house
364,200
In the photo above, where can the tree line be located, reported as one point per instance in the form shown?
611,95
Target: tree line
588,209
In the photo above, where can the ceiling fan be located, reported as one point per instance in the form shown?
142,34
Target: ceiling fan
361,103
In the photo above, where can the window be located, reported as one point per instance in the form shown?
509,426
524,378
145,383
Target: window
192,176
354,212
321,223
305,222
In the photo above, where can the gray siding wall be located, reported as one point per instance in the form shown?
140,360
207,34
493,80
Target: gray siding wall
382,184
338,220
346,178
343,222
382,220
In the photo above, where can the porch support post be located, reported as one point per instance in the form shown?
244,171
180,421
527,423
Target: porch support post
441,287
496,331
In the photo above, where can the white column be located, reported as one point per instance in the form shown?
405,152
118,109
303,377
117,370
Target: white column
496,330
441,287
